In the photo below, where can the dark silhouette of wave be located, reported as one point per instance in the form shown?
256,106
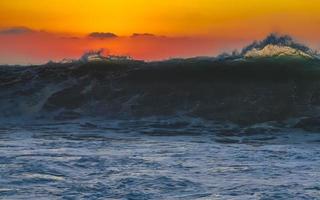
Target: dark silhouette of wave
240,91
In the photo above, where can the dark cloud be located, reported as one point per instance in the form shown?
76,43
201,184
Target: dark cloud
102,35
143,35
15,30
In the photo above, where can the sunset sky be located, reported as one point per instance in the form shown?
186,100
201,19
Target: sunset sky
33,31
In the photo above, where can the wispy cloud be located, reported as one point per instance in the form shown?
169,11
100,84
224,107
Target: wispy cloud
102,35
15,31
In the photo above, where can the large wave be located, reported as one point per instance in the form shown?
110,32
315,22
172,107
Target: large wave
240,91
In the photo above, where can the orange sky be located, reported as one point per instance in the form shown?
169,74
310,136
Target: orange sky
181,28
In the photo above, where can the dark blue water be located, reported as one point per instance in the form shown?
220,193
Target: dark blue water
152,159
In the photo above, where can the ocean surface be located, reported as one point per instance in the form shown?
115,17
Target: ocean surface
156,159
136,130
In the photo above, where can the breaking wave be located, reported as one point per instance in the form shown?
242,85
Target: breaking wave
239,91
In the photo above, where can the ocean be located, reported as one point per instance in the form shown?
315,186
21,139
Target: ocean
179,129
178,158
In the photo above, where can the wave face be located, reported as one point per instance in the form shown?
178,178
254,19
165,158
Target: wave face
240,91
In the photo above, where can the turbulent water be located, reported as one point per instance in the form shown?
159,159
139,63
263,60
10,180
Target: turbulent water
181,129
157,159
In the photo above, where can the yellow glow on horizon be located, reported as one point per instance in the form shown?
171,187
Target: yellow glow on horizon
167,17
